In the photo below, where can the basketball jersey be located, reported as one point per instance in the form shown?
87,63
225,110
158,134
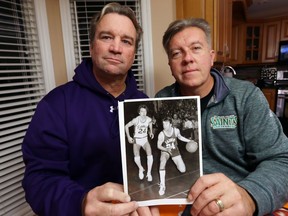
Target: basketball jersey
170,142
141,128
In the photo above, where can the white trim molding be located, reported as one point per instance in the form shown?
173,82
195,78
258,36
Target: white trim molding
148,48
45,45
67,37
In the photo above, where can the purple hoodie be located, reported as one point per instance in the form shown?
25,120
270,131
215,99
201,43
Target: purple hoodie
72,144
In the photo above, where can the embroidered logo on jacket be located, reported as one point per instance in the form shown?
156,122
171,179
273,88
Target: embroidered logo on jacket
223,121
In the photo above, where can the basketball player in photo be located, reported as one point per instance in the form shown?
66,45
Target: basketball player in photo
142,124
167,143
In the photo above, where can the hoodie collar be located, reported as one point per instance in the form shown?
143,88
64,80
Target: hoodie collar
84,76
221,90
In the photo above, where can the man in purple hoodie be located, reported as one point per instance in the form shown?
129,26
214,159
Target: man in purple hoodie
72,146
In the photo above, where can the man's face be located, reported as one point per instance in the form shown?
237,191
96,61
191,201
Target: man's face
113,49
166,125
142,112
190,59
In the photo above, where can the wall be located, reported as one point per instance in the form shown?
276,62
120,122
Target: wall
162,12
57,47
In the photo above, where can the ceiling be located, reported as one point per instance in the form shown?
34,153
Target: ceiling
267,9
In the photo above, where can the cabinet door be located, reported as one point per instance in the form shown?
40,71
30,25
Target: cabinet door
252,48
284,29
237,44
223,30
271,37
270,94
189,8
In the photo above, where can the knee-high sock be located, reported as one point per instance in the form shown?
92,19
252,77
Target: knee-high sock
137,160
149,164
162,174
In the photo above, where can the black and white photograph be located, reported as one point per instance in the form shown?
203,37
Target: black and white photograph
160,148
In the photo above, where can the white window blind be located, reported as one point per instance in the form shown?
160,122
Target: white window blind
22,85
81,14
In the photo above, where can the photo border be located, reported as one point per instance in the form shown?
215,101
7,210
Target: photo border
123,115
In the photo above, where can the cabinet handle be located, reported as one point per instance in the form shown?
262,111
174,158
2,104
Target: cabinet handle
227,51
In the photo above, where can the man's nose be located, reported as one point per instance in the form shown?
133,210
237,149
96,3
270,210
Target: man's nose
188,56
116,46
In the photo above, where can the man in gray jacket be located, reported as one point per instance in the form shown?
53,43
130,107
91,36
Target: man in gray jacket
245,152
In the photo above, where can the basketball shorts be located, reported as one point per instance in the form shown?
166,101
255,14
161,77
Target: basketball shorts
141,141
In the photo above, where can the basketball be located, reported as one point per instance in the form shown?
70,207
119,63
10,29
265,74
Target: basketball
191,146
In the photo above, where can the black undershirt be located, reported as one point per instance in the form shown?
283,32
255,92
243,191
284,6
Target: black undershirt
204,101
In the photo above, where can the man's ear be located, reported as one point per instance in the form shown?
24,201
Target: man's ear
212,54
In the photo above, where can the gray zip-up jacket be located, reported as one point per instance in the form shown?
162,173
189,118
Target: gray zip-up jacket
243,138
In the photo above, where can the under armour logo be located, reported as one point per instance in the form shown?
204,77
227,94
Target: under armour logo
113,108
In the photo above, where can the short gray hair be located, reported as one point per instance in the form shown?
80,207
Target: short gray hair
118,9
180,25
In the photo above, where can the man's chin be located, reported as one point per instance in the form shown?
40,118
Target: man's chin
112,69
189,83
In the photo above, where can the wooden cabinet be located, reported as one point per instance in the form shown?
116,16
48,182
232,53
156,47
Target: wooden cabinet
218,14
237,44
252,50
271,38
271,96
261,41
222,30
273,33
190,8
284,29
